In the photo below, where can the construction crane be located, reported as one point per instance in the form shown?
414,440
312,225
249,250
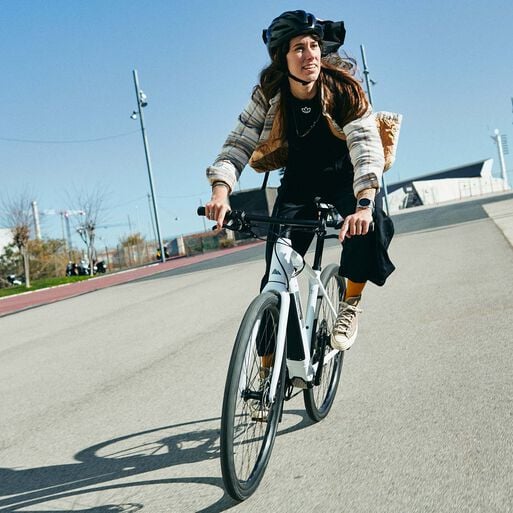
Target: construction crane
65,217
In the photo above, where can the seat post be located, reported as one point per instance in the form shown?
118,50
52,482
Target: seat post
319,247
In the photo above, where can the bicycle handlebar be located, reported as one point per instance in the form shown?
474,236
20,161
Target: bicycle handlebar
243,218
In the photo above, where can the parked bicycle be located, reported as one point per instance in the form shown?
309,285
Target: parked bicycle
280,347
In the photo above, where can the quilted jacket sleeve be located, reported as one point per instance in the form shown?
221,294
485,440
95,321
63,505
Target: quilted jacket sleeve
366,152
241,142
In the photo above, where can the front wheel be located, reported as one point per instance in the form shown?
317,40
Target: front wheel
319,399
249,421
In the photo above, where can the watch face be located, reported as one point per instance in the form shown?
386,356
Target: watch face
364,202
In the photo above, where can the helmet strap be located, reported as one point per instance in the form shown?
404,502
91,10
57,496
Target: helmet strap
302,82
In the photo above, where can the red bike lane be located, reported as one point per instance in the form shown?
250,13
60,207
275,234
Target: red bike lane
26,300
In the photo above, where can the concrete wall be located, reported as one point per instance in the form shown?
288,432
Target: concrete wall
432,192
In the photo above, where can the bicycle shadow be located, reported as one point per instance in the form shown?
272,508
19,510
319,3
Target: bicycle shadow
121,458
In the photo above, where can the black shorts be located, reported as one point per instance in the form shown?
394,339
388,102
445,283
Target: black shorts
364,258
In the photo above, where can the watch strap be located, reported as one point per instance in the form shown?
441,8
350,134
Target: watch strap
365,203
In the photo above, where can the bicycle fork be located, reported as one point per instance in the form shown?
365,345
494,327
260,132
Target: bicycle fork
280,344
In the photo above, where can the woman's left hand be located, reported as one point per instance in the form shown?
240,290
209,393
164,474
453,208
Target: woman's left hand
356,224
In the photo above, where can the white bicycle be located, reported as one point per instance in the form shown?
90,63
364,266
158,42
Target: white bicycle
278,349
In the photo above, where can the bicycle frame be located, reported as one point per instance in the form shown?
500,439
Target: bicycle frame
283,281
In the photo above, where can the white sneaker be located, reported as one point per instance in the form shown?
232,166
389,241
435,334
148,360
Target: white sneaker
346,325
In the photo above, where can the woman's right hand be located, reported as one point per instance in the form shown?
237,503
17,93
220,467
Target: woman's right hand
218,205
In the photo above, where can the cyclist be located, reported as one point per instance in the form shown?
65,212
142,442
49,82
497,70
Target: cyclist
309,115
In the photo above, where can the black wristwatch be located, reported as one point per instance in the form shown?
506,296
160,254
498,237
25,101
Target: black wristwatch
365,203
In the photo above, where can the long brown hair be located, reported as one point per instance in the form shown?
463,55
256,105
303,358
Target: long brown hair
344,96
274,78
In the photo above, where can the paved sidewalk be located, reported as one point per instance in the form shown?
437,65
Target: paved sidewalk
19,302
501,212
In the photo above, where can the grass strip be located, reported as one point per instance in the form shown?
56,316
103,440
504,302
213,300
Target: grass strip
41,284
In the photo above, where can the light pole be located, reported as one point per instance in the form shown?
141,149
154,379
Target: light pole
368,82
141,103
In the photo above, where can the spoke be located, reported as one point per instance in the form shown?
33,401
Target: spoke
326,321
249,434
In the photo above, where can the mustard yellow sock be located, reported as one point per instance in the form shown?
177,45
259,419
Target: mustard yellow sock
354,289
267,360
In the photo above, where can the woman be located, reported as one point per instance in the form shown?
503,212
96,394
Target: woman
312,118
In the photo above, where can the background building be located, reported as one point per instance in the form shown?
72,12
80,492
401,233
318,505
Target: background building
449,185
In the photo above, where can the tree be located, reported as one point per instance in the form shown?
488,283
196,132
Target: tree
92,204
17,215
134,239
9,263
132,245
48,258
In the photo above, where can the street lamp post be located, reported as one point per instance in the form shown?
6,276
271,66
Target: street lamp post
367,82
499,140
141,102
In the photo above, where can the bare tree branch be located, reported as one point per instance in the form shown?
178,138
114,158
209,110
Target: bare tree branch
16,214
91,204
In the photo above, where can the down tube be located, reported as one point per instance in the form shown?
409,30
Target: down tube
280,343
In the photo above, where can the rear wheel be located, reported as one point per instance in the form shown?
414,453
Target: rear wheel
319,399
249,420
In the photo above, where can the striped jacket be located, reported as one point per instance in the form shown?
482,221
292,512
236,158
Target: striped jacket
258,139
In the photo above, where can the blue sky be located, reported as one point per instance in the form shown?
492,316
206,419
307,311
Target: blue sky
67,82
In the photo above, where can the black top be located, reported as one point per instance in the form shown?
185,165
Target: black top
318,162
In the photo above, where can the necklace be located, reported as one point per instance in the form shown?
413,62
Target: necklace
309,129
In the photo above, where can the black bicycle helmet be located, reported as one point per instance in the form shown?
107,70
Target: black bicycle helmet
334,36
288,25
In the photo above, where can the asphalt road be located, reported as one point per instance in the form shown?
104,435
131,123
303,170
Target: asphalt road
425,218
110,401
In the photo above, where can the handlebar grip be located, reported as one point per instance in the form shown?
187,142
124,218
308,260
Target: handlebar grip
335,224
201,212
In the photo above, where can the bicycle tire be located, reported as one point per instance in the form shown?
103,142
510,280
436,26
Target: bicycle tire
319,399
246,444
